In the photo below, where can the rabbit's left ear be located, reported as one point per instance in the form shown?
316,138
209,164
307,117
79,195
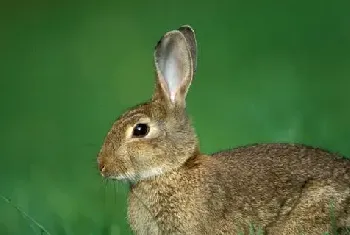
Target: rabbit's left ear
175,61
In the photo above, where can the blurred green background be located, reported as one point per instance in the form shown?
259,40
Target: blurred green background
267,71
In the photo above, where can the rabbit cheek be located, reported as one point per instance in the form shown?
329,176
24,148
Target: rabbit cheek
138,154
120,164
145,158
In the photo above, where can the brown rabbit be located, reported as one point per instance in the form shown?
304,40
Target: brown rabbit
175,189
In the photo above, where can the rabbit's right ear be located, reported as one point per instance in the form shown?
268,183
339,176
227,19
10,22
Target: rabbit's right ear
175,62
190,36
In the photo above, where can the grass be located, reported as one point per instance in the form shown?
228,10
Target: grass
38,228
35,225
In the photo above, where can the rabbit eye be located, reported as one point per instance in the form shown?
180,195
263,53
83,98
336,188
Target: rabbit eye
140,130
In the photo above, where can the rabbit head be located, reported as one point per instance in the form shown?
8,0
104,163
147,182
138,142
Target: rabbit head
157,136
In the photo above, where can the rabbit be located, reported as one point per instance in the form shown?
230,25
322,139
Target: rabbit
274,188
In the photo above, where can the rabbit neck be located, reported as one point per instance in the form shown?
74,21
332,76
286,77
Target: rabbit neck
152,200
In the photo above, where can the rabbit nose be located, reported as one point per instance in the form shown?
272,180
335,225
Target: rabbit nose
101,166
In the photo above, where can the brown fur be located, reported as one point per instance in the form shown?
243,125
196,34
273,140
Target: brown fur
281,188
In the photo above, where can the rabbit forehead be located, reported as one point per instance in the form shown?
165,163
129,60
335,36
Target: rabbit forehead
152,109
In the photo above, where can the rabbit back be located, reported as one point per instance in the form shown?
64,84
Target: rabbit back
286,188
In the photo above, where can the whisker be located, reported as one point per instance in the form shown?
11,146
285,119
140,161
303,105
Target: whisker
114,193
105,182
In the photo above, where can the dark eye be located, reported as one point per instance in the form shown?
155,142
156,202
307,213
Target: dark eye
140,130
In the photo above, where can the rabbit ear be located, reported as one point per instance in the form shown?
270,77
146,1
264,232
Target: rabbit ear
175,62
190,36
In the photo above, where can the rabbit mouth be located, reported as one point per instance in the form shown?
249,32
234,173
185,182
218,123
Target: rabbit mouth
123,177
145,174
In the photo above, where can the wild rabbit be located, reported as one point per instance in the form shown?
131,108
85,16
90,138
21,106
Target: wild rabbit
175,189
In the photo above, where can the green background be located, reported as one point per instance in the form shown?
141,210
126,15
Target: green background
267,71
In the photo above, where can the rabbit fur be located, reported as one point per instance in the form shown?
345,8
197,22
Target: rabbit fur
279,188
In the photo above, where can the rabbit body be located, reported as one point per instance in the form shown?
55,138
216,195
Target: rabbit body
278,188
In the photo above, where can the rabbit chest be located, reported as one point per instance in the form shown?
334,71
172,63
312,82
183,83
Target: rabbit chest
165,208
